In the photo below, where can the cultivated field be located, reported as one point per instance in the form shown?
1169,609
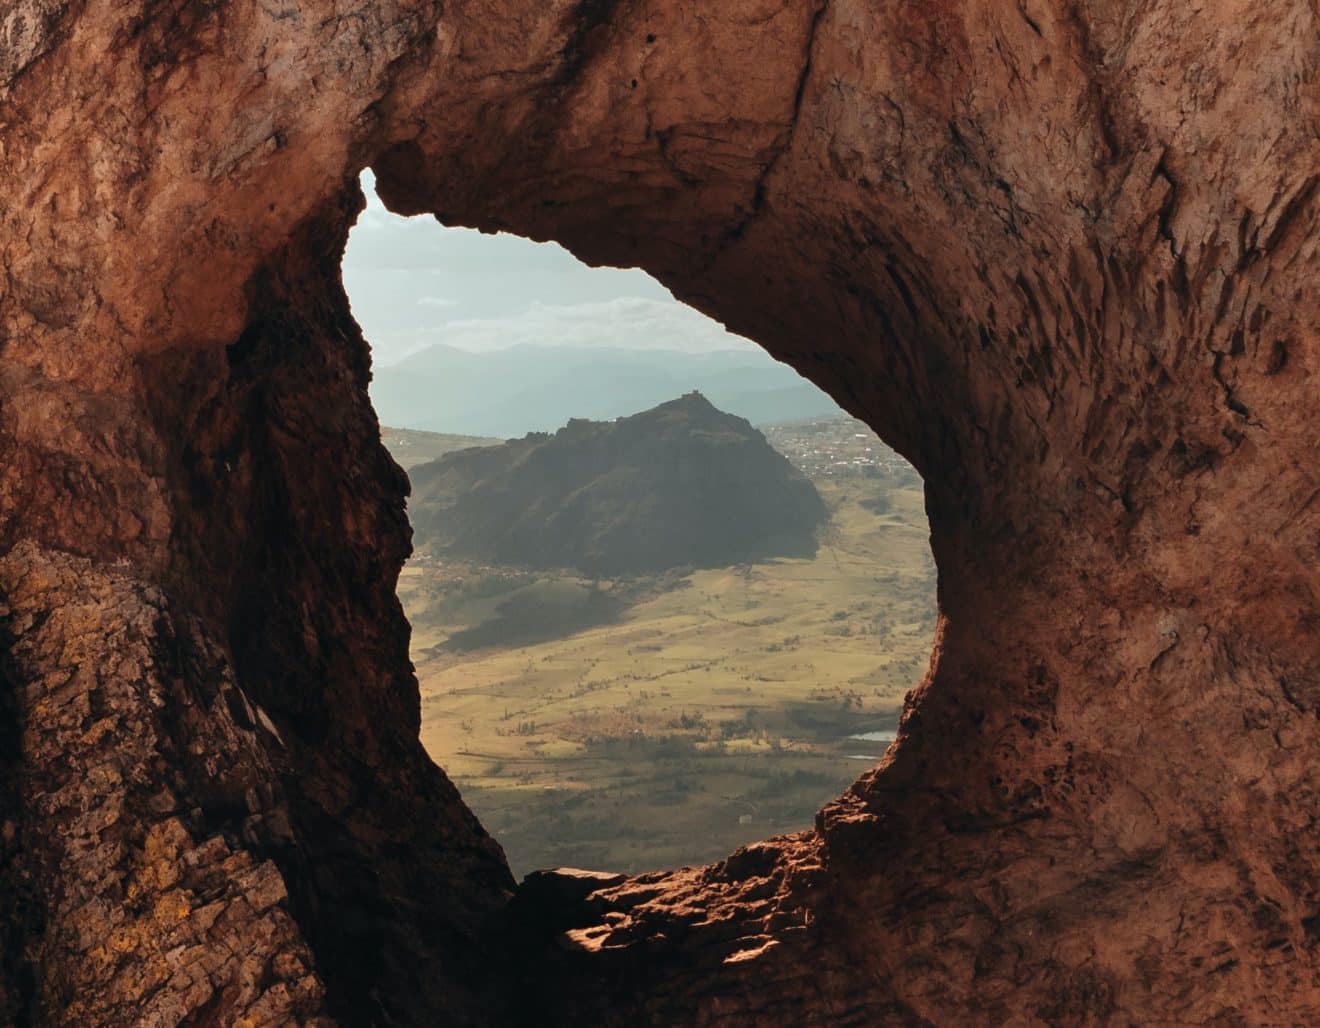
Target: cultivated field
410,447
661,721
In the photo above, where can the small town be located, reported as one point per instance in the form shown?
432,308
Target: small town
836,447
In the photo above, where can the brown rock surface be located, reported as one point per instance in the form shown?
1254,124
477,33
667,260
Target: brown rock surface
1063,255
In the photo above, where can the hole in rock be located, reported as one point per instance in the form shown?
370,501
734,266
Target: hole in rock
677,611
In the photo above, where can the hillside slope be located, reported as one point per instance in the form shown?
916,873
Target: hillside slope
681,484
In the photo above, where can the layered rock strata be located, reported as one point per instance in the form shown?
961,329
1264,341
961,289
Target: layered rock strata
1062,255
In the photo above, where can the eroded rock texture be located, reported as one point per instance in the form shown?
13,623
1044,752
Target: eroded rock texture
1062,254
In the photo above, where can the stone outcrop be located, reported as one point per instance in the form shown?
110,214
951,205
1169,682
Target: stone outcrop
620,497
1062,255
138,908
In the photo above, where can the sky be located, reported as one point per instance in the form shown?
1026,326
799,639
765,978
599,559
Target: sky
413,283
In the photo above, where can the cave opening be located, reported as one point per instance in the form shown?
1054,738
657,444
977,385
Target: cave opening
1062,256
625,710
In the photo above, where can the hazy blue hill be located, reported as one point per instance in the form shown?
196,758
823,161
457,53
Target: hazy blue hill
538,388
763,406
681,484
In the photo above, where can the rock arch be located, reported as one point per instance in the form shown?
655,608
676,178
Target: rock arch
1061,255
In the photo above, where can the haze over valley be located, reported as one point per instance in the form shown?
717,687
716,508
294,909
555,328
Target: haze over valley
538,388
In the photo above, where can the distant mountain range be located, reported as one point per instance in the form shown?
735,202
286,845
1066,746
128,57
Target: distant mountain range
538,388
683,484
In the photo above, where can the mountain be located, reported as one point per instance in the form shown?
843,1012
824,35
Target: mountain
524,389
683,484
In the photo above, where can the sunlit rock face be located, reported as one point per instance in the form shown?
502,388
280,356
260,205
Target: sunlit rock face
1062,256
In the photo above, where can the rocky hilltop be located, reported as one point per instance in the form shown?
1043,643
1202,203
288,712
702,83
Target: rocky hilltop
1060,254
680,484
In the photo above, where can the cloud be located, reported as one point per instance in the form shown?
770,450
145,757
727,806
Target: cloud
626,322
415,283
374,219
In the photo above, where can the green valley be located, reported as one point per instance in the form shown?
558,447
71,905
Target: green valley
654,720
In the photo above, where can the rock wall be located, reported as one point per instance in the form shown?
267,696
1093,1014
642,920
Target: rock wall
1061,254
133,908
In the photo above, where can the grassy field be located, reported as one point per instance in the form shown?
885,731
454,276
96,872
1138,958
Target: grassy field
410,447
655,722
